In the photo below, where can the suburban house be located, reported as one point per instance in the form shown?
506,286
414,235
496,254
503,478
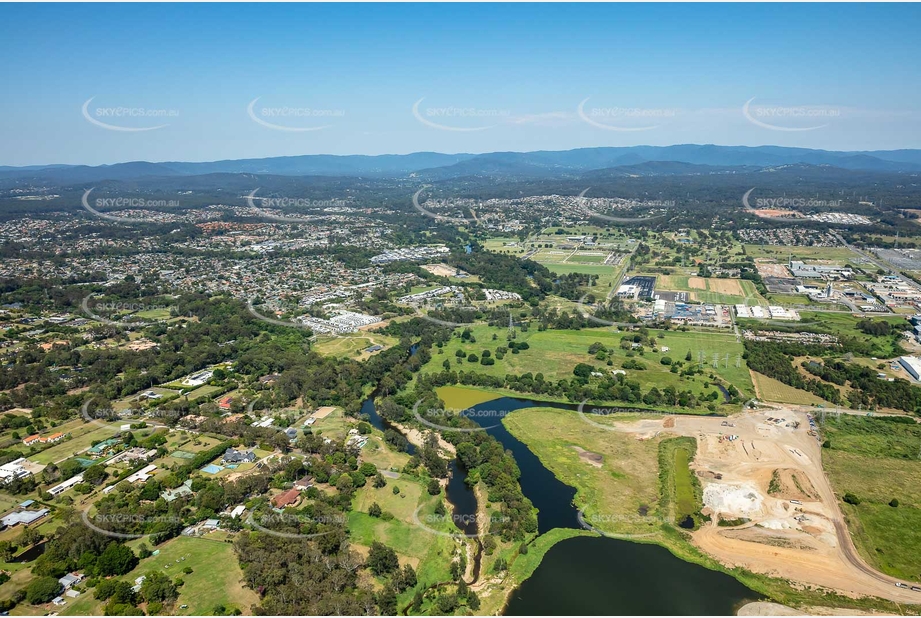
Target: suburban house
13,470
183,490
22,517
224,403
53,438
232,455
71,579
304,483
286,498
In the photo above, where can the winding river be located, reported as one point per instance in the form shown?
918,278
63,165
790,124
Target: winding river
589,575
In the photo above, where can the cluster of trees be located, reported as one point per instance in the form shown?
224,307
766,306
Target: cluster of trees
774,359
877,328
478,452
867,390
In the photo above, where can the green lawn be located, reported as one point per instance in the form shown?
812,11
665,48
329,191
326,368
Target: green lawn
428,553
555,352
82,437
216,578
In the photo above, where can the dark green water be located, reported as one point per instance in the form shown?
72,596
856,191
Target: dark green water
594,576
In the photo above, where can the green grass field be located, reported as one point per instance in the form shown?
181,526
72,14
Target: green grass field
783,253
428,553
555,352
216,578
612,494
769,389
353,345
685,499
877,461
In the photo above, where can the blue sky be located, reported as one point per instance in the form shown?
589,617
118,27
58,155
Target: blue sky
491,77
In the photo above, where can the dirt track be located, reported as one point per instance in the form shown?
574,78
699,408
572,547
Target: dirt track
807,542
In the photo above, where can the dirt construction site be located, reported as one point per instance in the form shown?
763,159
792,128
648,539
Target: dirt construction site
761,474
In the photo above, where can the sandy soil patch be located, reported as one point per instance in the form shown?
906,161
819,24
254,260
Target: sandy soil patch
727,286
793,485
741,500
440,270
764,608
323,412
418,438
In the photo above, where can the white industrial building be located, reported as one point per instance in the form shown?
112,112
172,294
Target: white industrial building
912,365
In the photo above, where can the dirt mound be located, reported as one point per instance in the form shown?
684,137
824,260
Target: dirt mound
756,534
594,459
791,484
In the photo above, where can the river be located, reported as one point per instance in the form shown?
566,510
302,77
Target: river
589,575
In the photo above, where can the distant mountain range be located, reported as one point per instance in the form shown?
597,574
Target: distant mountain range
681,159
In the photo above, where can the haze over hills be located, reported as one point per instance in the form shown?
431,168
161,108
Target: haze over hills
628,160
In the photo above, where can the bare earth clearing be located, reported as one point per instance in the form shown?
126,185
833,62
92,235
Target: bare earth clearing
806,543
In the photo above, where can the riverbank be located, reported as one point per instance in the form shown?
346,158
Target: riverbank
496,590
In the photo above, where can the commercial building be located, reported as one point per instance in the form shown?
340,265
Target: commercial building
912,365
